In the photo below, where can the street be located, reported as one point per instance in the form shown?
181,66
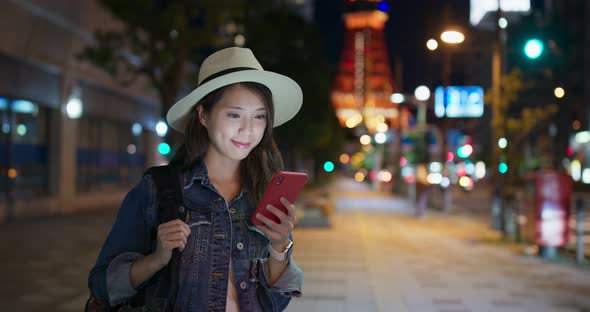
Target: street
377,259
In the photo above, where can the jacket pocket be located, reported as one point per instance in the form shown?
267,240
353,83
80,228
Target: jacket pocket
197,245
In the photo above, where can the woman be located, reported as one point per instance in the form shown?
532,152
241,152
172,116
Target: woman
227,158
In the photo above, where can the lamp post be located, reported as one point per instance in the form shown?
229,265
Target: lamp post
422,94
452,36
496,103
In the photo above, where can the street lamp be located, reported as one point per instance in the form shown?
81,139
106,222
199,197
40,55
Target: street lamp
432,44
502,143
559,92
161,128
452,36
422,93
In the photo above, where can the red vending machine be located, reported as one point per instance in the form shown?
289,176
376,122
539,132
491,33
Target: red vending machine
552,207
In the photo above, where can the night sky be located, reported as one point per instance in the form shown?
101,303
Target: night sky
411,23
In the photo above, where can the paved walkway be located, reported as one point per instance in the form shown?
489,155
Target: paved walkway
391,261
44,263
383,260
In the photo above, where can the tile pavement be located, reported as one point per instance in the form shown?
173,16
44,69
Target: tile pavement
382,260
392,262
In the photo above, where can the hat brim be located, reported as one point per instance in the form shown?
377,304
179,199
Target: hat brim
287,96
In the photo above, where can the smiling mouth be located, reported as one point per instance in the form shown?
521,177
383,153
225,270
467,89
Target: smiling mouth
240,145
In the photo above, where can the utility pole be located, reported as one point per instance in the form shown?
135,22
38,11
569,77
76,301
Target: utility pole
445,124
497,195
497,94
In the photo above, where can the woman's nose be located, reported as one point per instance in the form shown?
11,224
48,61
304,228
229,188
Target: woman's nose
246,126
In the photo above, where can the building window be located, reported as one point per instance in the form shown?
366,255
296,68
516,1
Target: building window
108,155
23,148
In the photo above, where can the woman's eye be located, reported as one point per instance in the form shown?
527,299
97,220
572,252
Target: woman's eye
233,115
261,116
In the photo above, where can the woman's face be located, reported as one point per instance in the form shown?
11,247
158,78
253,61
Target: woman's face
235,124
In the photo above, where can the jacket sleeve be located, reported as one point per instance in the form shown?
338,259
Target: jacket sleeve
128,240
289,284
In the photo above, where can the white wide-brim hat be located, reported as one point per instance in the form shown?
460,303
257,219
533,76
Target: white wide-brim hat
233,65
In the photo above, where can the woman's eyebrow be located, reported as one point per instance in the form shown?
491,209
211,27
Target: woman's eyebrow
241,108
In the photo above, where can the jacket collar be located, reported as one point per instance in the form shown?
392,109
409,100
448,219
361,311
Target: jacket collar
197,172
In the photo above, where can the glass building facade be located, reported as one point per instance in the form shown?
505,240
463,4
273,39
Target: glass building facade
23,148
108,154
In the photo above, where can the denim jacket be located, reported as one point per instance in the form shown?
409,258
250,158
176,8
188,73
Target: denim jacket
219,231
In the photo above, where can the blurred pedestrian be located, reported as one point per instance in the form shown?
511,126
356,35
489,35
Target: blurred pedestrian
226,160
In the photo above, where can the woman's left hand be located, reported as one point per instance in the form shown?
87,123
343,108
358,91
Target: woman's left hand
278,232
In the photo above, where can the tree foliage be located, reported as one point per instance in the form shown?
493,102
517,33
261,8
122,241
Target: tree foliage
287,44
157,40
161,39
515,126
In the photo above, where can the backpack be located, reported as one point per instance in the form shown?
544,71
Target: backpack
170,206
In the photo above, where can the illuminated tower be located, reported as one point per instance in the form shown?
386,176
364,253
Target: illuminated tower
363,85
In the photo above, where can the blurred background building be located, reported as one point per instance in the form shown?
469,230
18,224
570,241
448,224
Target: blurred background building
72,138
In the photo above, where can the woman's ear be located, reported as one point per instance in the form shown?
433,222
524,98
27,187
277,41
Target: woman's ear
201,116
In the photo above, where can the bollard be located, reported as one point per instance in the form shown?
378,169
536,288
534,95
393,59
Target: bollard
496,210
579,230
509,228
412,192
516,206
504,215
447,201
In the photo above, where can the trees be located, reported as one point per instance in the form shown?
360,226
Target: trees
164,40
157,40
286,43
518,121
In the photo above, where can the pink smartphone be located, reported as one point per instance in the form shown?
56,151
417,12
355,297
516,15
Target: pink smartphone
283,184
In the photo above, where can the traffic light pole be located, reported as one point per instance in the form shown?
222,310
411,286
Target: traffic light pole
497,194
496,89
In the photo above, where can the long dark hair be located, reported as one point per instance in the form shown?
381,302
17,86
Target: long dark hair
257,168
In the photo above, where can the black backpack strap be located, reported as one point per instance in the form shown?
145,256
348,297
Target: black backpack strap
169,192
167,180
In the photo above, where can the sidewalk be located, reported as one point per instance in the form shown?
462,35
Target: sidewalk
387,260
374,259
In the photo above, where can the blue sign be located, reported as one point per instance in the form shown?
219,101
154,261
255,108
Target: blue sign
458,102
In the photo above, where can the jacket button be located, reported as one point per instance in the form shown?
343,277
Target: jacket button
181,209
232,210
243,285
240,246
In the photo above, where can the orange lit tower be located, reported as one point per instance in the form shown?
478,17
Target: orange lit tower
363,86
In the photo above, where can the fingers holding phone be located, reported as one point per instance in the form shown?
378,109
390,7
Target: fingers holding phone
278,231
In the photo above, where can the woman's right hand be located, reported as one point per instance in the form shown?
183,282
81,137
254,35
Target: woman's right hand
172,234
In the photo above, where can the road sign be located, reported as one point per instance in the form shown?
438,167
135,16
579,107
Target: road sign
459,102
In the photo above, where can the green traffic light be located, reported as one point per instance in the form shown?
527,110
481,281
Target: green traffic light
533,48
503,168
164,148
328,166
